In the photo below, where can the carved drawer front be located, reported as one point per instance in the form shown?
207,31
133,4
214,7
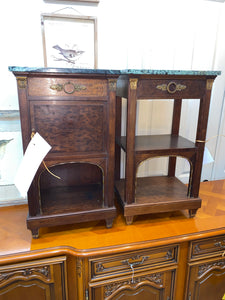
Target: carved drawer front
42,279
68,87
208,247
138,260
170,89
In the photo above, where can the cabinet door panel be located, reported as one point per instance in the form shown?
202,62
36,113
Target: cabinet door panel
154,286
38,280
34,290
71,127
207,281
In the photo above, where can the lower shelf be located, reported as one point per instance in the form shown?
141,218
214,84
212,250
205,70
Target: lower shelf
72,204
157,194
71,199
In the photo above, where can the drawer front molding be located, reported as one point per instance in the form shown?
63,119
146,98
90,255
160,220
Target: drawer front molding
206,247
136,261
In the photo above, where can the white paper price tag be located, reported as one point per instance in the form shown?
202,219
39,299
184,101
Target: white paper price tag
33,157
207,157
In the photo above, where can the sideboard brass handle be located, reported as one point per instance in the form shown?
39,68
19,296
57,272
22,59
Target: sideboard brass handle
172,87
219,244
135,263
68,87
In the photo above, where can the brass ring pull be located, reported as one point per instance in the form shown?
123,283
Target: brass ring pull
69,87
171,87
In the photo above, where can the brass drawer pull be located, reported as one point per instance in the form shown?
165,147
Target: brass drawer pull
68,87
219,244
135,263
172,87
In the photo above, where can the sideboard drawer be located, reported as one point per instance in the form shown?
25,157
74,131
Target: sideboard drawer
137,260
208,247
170,89
67,87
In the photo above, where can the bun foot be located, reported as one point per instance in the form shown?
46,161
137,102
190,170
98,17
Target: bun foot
129,220
109,222
192,212
35,233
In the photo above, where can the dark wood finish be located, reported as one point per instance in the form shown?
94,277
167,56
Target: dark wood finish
173,257
147,89
138,198
75,114
159,143
118,135
175,131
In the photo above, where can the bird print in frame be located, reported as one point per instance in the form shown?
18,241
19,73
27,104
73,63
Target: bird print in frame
68,55
69,41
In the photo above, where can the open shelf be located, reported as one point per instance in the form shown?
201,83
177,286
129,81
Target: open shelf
157,194
69,199
158,143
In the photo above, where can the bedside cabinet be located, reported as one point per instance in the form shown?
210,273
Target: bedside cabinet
74,111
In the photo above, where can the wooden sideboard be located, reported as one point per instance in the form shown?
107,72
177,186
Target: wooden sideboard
168,256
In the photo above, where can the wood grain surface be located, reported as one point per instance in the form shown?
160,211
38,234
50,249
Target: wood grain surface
93,237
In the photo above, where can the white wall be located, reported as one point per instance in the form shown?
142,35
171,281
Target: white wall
162,34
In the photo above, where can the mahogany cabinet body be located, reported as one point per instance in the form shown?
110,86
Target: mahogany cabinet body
154,194
75,114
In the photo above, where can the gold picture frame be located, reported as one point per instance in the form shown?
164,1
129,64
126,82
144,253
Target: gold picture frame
69,41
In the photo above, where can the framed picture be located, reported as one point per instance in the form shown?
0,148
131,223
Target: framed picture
69,41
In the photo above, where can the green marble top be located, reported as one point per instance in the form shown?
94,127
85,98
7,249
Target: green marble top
113,72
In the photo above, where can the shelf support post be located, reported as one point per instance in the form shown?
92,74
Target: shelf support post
175,131
130,140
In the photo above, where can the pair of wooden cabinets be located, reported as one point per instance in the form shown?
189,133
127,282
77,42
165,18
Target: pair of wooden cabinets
77,112
190,271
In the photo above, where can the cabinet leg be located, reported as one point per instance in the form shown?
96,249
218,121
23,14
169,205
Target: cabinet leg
109,222
192,212
35,233
129,220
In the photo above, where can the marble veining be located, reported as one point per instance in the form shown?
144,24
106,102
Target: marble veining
113,72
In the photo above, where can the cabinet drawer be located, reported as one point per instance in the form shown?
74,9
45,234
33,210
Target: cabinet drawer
67,87
208,247
170,89
137,260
